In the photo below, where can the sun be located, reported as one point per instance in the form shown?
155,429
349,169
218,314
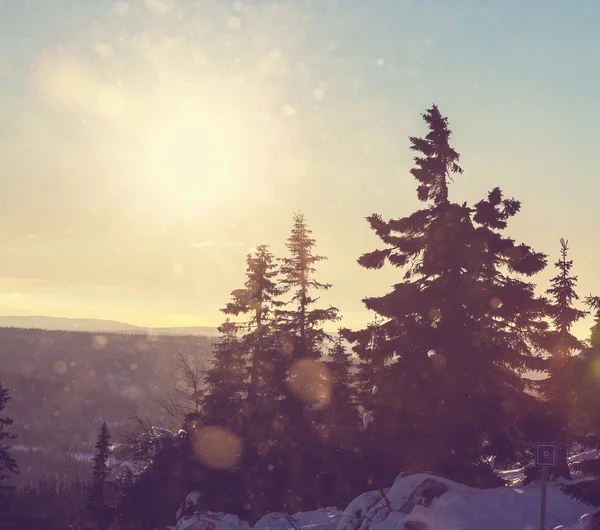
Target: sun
195,156
195,147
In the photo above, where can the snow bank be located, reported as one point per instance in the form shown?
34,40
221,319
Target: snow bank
459,507
323,519
423,502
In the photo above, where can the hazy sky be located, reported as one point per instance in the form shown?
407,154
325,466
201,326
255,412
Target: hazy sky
147,145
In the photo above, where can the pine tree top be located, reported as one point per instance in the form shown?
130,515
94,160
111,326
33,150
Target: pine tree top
298,267
439,161
100,473
259,295
103,447
563,294
559,341
103,438
298,317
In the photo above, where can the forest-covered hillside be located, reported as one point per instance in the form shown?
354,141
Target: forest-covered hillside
64,383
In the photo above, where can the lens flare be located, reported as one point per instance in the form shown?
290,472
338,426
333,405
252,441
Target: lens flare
217,447
439,361
495,302
310,381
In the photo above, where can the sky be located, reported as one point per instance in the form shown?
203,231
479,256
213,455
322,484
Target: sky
147,145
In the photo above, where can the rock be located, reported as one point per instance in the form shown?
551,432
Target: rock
364,509
424,494
189,505
408,491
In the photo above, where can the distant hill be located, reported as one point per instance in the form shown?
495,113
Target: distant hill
196,331
93,325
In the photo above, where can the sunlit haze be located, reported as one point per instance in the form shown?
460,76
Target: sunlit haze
147,145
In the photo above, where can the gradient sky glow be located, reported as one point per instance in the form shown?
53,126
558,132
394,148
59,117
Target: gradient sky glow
147,145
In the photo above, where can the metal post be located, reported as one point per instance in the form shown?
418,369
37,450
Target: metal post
543,507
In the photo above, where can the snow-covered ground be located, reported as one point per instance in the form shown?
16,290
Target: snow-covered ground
424,502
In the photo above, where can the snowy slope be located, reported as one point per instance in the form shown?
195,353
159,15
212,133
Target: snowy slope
423,501
464,508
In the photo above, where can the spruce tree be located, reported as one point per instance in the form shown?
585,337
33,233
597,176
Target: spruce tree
302,338
99,502
458,328
558,389
247,376
300,321
8,465
257,301
259,295
225,381
244,358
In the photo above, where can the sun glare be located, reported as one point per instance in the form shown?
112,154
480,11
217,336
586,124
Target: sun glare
192,156
199,152
188,142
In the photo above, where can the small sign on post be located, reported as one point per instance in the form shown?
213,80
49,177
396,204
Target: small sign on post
545,457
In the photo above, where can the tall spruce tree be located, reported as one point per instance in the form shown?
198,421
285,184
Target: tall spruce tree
302,338
558,388
257,301
459,326
244,362
99,502
8,465
247,376
300,321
